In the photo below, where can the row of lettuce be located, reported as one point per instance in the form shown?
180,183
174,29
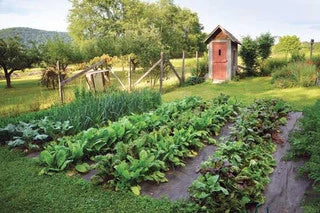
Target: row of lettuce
139,148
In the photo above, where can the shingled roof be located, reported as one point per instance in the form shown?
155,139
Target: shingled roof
215,31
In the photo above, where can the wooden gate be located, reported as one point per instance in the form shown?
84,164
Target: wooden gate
219,60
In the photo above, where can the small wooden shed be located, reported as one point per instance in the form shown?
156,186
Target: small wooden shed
223,54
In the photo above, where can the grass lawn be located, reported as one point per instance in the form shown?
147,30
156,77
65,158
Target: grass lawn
23,190
247,90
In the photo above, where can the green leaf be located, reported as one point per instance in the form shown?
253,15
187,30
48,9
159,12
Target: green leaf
83,168
46,157
136,190
61,157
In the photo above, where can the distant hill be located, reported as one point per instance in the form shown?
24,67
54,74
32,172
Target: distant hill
28,34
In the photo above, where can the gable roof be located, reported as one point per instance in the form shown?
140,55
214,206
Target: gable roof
214,32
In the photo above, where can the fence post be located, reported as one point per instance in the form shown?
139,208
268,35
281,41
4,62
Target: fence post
129,75
60,85
311,48
161,72
197,59
183,64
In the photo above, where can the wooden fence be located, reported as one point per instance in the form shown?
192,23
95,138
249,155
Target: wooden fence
161,62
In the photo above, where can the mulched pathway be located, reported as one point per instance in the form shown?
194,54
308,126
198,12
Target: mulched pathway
286,190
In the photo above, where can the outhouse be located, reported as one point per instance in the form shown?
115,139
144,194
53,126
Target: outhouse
222,54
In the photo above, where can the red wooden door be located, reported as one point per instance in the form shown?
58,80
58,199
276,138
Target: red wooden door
219,60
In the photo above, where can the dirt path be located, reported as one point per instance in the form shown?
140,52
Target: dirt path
180,179
285,190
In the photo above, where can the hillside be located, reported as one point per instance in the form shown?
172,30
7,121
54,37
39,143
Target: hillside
29,34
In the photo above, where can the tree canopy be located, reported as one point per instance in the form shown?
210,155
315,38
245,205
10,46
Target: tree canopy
59,49
289,45
135,26
253,52
16,56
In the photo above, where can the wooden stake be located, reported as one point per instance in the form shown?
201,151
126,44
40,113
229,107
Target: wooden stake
183,64
60,84
129,75
161,72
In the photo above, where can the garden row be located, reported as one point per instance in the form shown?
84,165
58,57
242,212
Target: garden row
142,147
31,131
305,144
239,170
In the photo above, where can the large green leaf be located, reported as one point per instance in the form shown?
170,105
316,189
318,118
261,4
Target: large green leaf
46,157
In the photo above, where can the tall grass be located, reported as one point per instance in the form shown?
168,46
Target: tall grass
94,110
272,64
295,74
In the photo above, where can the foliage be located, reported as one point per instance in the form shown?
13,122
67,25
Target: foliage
288,45
93,110
254,52
15,56
272,64
59,49
203,67
264,42
193,80
249,55
137,148
50,77
305,143
134,26
295,74
239,170
34,134
297,57
316,61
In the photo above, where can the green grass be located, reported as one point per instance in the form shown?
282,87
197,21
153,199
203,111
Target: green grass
23,190
246,90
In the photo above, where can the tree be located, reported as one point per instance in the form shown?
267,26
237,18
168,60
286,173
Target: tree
249,54
58,49
178,29
264,43
289,45
254,52
15,56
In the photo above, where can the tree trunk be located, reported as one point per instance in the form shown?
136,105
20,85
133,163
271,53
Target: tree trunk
8,78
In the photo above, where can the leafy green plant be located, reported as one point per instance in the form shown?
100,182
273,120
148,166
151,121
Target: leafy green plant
33,135
142,147
239,170
193,80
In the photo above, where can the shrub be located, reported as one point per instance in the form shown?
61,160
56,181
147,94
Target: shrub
272,64
316,61
298,56
193,80
94,109
203,67
295,74
249,54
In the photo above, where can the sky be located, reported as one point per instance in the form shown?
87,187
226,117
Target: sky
240,17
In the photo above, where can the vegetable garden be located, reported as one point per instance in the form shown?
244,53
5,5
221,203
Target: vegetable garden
126,144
